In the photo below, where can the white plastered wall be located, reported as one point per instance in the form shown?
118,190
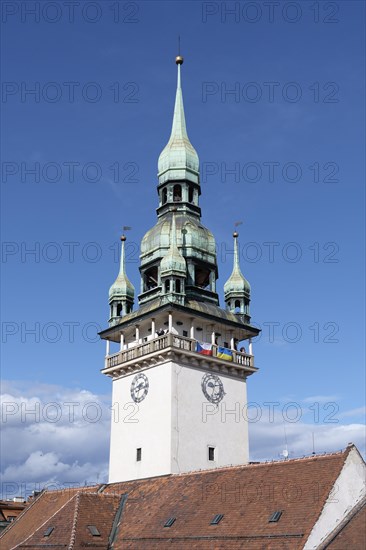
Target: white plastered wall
348,490
175,424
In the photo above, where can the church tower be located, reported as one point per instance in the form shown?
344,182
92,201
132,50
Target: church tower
179,375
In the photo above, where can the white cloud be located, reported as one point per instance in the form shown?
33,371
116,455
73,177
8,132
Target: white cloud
60,436
53,434
321,399
268,440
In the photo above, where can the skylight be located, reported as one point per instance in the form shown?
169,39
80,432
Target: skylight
169,522
216,519
275,516
93,530
48,531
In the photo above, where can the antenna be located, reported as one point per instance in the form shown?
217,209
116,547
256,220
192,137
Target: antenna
179,44
285,452
313,436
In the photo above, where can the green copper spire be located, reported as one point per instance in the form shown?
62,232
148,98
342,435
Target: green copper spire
179,159
237,288
122,287
173,262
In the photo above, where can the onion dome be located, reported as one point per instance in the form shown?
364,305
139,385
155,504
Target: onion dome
179,159
122,286
173,262
236,284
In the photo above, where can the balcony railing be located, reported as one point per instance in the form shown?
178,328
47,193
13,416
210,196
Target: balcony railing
171,340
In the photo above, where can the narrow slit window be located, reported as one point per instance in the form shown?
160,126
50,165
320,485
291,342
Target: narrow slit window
138,454
211,453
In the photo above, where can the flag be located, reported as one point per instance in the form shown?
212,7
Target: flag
204,349
224,353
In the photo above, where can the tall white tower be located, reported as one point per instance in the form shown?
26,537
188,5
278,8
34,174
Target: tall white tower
179,377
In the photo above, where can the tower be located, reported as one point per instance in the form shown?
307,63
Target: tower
237,288
122,292
179,381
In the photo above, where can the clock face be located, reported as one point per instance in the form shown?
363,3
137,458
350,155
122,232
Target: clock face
213,388
139,387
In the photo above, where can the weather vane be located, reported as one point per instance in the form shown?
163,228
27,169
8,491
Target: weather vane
179,58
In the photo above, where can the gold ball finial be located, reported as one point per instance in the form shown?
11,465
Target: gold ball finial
235,234
123,238
179,60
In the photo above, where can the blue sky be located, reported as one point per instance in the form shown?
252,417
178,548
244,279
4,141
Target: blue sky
292,129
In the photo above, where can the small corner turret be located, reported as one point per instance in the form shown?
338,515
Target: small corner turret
122,292
237,288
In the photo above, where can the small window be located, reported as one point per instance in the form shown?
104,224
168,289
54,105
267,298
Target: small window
93,530
190,193
177,286
177,193
211,453
48,531
138,454
11,518
167,286
169,522
164,195
150,278
216,519
185,333
275,516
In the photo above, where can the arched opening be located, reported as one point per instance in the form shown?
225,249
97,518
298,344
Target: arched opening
190,193
164,195
177,286
237,306
119,310
167,286
177,193
202,277
151,278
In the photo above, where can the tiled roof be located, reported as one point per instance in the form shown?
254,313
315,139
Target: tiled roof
245,495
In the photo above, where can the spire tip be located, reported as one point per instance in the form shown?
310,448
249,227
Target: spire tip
179,60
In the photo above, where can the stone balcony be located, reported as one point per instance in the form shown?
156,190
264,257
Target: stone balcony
171,346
